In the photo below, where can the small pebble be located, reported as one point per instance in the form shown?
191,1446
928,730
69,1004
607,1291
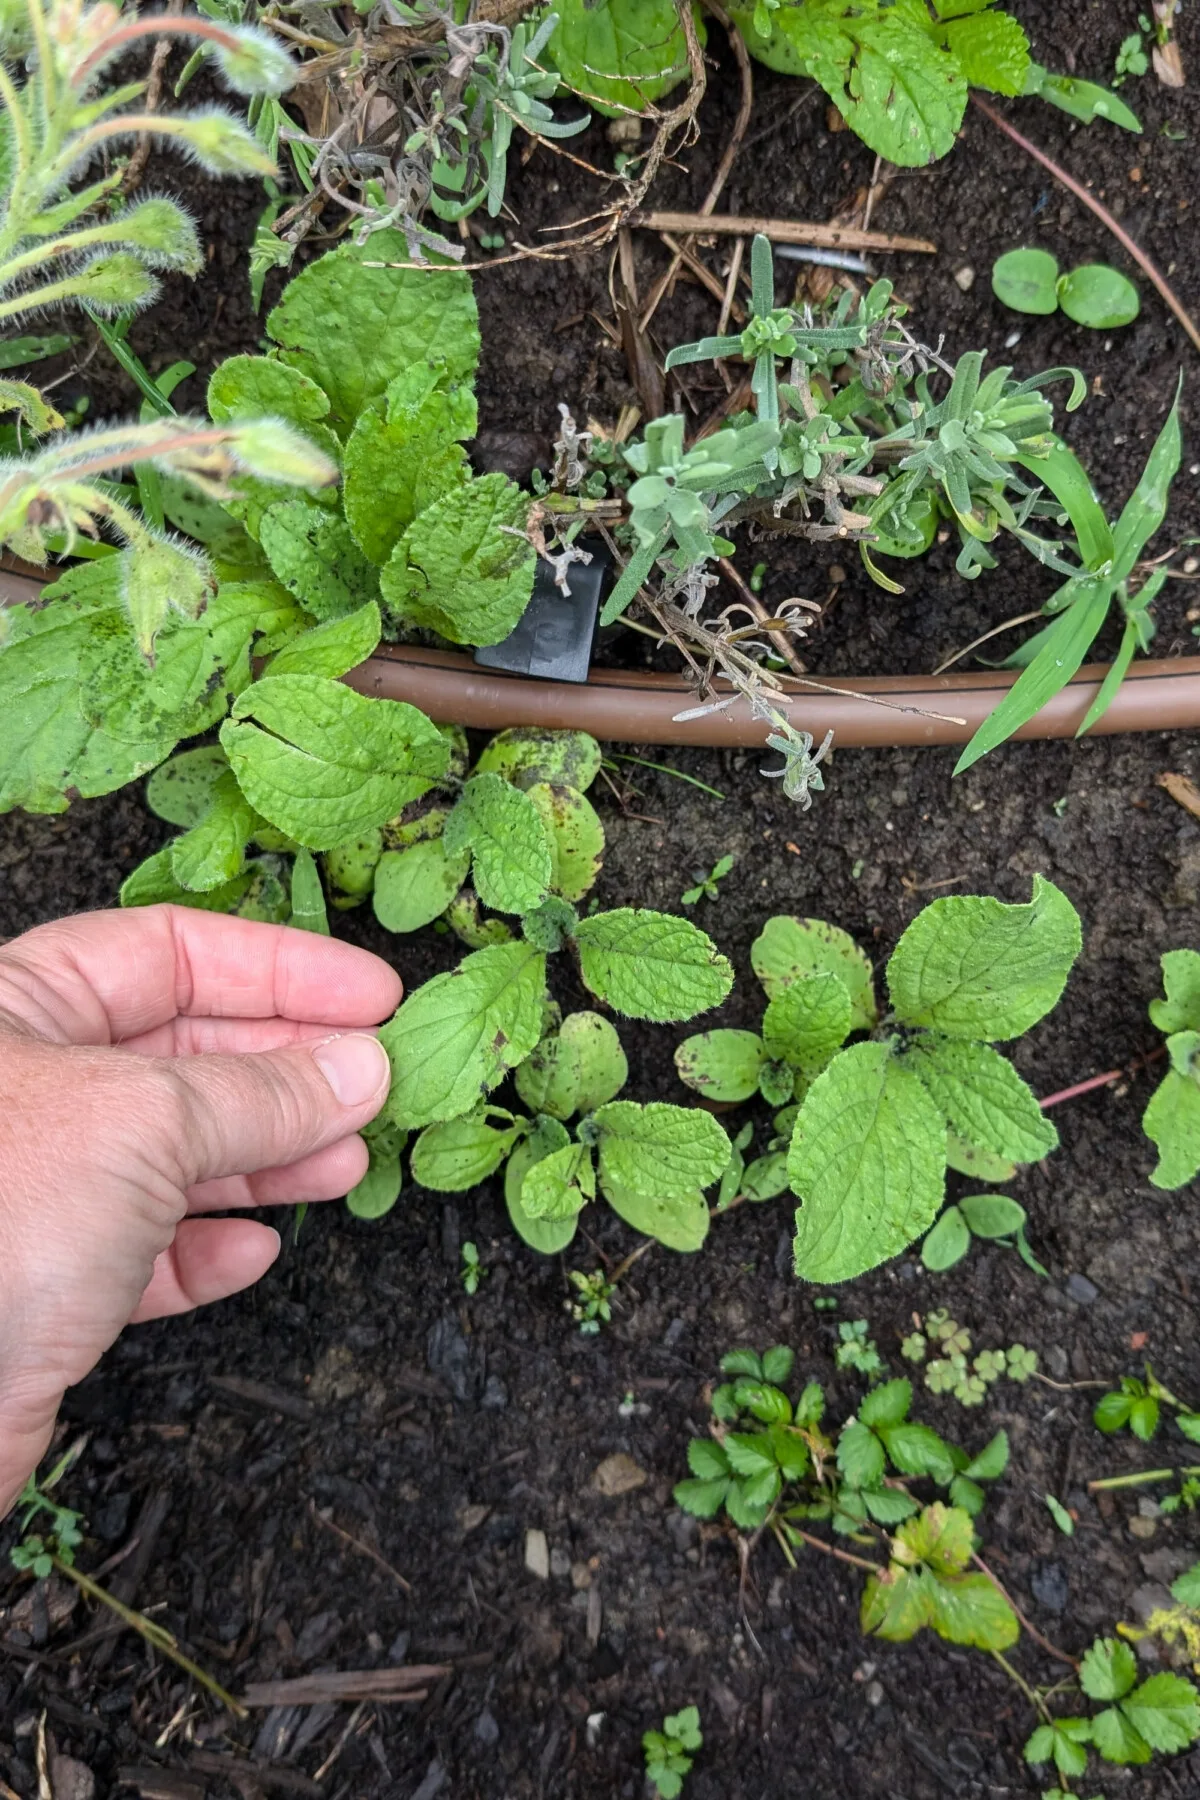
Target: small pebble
965,278
875,1694
486,1729
537,1555
1080,1289
1050,1589
1012,340
560,1562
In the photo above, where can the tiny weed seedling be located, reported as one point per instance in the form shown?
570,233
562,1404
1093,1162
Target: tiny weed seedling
1138,1405
472,1270
993,1217
1172,1119
1093,295
1131,54
949,1372
592,1306
667,1751
706,887
926,1090
60,1536
856,1350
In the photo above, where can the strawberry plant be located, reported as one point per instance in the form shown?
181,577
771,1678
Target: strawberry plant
1161,1713
1172,1119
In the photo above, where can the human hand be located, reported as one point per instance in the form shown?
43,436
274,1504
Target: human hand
157,1066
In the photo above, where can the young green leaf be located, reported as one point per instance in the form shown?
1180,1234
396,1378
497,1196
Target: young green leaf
1180,1011
415,886
973,967
1098,297
868,1159
806,1021
1172,1123
379,1189
547,1236
679,1221
1063,646
860,1456
308,896
460,1153
658,1149
992,1215
332,648
1025,280
527,755
503,830
722,1065
575,1069
1108,1670
404,455
981,1097
886,1404
990,48
574,834
311,551
980,1165
1060,1515
180,790
247,387
766,1177
777,1363
323,763
992,1460
153,883
214,850
560,1185
969,1609
788,948
464,567
620,55
948,1242
352,324
459,1034
651,965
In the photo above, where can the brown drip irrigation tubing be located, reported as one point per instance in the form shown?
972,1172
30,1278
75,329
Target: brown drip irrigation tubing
638,706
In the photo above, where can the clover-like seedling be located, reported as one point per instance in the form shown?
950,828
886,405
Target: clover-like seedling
856,1350
1093,294
667,1751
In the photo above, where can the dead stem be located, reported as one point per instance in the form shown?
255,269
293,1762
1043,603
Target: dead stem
1035,1634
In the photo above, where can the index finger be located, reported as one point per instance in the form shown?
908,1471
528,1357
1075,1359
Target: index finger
102,977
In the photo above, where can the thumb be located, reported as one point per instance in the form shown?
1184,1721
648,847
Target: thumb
262,1110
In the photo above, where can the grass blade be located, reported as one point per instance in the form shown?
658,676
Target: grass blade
1146,507
1065,476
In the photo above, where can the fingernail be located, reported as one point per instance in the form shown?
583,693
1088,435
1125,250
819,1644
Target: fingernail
356,1067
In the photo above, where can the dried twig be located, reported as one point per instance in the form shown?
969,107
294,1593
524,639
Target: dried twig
409,1682
1101,211
783,231
136,166
1035,1634
364,1549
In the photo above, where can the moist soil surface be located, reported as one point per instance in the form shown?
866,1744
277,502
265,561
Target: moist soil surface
338,1471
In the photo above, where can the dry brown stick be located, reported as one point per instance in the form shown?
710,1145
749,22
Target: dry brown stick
365,1549
1090,201
1021,619
136,166
783,231
731,281
717,187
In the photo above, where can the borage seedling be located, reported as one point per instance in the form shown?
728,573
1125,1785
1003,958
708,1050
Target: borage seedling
880,1122
1172,1119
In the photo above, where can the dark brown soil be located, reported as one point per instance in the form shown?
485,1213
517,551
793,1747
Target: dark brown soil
438,1429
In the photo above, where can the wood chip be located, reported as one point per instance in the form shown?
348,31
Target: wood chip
410,1682
160,1784
1183,791
618,1474
259,1393
537,1555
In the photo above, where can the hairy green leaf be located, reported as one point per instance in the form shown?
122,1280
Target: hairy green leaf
788,948
574,834
991,50
972,967
460,1153
620,55
213,851
352,327
415,886
181,790
806,1021
680,1221
323,763
503,829
527,754
459,1034
992,1215
980,1165
379,1189
722,1065
868,1159
313,554
332,648
658,1149
947,1243
308,896
547,1236
1172,1123
651,965
1180,1011
981,1097
576,1069
153,883
403,455
464,567
560,1185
